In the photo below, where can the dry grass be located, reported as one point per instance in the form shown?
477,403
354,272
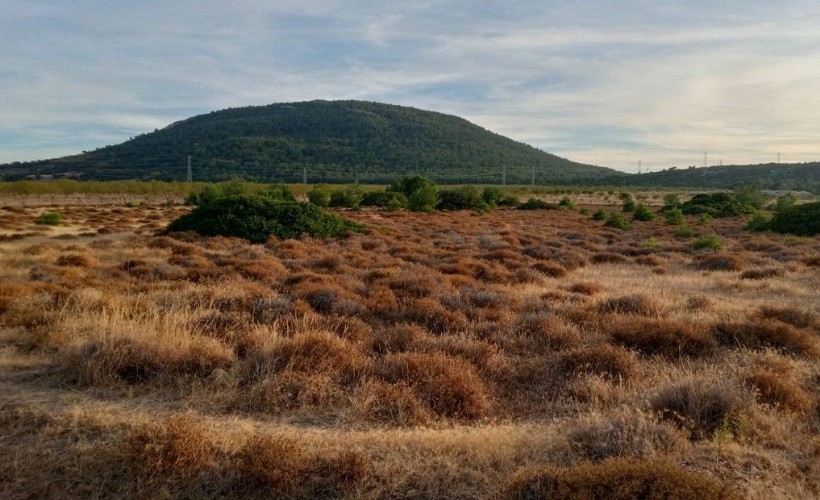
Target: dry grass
433,357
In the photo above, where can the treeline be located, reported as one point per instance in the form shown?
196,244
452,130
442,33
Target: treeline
336,142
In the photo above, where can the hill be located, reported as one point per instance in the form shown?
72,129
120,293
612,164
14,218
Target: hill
336,141
797,176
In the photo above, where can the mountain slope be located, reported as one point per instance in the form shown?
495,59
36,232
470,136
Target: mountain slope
797,176
336,141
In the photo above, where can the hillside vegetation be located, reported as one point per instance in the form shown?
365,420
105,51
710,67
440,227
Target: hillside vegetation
336,141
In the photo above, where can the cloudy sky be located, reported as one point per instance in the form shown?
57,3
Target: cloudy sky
602,82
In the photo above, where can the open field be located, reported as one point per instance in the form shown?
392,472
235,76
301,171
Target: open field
445,355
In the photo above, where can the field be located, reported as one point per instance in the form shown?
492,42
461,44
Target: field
447,355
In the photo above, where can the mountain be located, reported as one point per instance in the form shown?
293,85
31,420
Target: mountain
332,141
796,176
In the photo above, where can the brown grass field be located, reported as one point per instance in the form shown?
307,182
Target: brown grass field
517,354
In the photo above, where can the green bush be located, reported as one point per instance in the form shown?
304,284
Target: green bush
788,200
717,205
751,196
599,214
492,195
384,199
536,204
409,185
684,231
617,220
674,217
423,199
628,202
278,193
48,219
348,197
319,196
212,192
566,202
671,202
643,213
463,198
801,220
508,201
711,242
758,223
704,219
256,218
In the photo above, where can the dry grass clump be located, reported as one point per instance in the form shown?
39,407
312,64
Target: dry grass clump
541,333
721,262
390,404
790,315
760,274
284,469
74,260
432,315
778,389
768,333
608,258
703,406
449,386
550,269
396,338
605,360
585,288
616,478
178,445
290,390
630,304
627,433
664,337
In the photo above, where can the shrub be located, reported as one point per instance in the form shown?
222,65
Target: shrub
671,202
585,288
751,196
256,218
710,242
643,213
778,390
319,196
278,193
393,404
179,445
759,274
674,217
802,220
767,333
599,214
629,304
784,202
566,202
508,201
384,199
213,192
544,332
758,223
617,221
409,185
608,258
684,232
616,479
717,205
720,262
703,406
602,359
423,200
704,219
48,219
667,338
536,204
492,195
346,198
789,315
628,202
463,198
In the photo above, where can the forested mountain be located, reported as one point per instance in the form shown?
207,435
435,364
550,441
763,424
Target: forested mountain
796,176
332,141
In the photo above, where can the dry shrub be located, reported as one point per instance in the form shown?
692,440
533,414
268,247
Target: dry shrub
415,285
131,361
284,468
292,389
698,303
543,332
665,337
11,292
812,261
659,270
585,288
768,333
550,269
602,359
721,262
432,315
397,338
502,254
778,389
381,300
179,445
630,304
628,433
312,353
390,404
789,315
760,274
74,260
703,406
482,354
450,386
608,258
615,479
649,260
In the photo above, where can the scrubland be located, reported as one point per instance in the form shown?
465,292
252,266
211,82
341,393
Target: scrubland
447,355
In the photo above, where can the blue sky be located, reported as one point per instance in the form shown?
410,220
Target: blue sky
602,82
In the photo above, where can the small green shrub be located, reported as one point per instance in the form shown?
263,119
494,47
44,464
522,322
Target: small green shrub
651,242
801,220
347,198
409,185
256,218
278,193
48,219
463,198
717,205
643,213
707,242
758,223
704,219
671,202
508,201
536,204
384,199
617,220
628,202
423,199
212,192
492,195
566,202
319,196
674,217
751,196
599,214
684,232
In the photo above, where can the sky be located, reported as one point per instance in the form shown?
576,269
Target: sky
609,83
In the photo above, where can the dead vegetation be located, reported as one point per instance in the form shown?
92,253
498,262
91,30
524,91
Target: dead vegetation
436,355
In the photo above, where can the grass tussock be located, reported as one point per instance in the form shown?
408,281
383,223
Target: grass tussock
768,333
616,479
721,262
606,360
663,337
630,304
179,445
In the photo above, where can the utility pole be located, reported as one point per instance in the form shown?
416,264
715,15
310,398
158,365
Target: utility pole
533,175
304,175
639,165
190,176
504,175
705,156
778,157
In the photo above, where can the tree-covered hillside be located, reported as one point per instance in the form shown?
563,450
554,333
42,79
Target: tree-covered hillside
796,176
335,141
